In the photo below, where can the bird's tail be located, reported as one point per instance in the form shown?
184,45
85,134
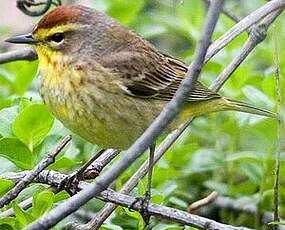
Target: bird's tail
247,108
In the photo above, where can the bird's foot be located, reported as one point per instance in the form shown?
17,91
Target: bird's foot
143,203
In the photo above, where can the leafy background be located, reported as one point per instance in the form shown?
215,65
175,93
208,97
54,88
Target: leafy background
232,153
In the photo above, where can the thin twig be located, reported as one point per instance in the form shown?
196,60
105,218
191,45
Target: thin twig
13,193
226,12
203,202
27,53
257,35
73,179
97,166
46,177
166,116
243,25
24,205
278,131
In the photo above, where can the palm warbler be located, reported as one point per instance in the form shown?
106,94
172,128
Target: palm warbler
106,83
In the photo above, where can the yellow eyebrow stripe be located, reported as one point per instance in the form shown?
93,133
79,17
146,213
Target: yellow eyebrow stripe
39,34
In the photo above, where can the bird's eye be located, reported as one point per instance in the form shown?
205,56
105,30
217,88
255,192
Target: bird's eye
57,37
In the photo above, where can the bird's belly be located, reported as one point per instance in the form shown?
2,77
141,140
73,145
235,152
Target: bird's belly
107,119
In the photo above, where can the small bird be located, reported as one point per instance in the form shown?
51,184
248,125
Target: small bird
106,83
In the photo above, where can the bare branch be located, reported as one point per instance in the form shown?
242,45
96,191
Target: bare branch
24,205
13,193
54,178
226,12
168,213
203,202
97,166
243,25
21,54
256,36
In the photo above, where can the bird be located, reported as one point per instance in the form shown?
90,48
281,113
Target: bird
106,83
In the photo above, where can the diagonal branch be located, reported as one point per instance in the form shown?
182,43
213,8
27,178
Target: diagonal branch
226,12
243,25
25,181
256,36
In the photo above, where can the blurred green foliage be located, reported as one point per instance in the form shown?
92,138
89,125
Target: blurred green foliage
229,152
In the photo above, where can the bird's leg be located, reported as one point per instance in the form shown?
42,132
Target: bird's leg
72,180
144,201
150,170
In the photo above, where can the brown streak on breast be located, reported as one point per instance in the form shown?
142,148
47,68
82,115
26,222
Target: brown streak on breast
79,67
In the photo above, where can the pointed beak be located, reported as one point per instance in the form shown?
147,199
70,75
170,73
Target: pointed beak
22,39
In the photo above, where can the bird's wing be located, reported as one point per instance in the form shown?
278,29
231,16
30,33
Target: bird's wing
156,76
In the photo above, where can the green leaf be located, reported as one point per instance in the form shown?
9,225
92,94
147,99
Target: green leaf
7,223
4,103
5,186
124,11
6,227
29,191
23,217
257,96
62,195
157,198
179,202
63,163
220,187
253,171
16,152
22,73
7,117
33,124
42,202
110,226
132,214
24,103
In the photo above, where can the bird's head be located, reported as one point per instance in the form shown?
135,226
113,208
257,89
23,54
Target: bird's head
66,31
